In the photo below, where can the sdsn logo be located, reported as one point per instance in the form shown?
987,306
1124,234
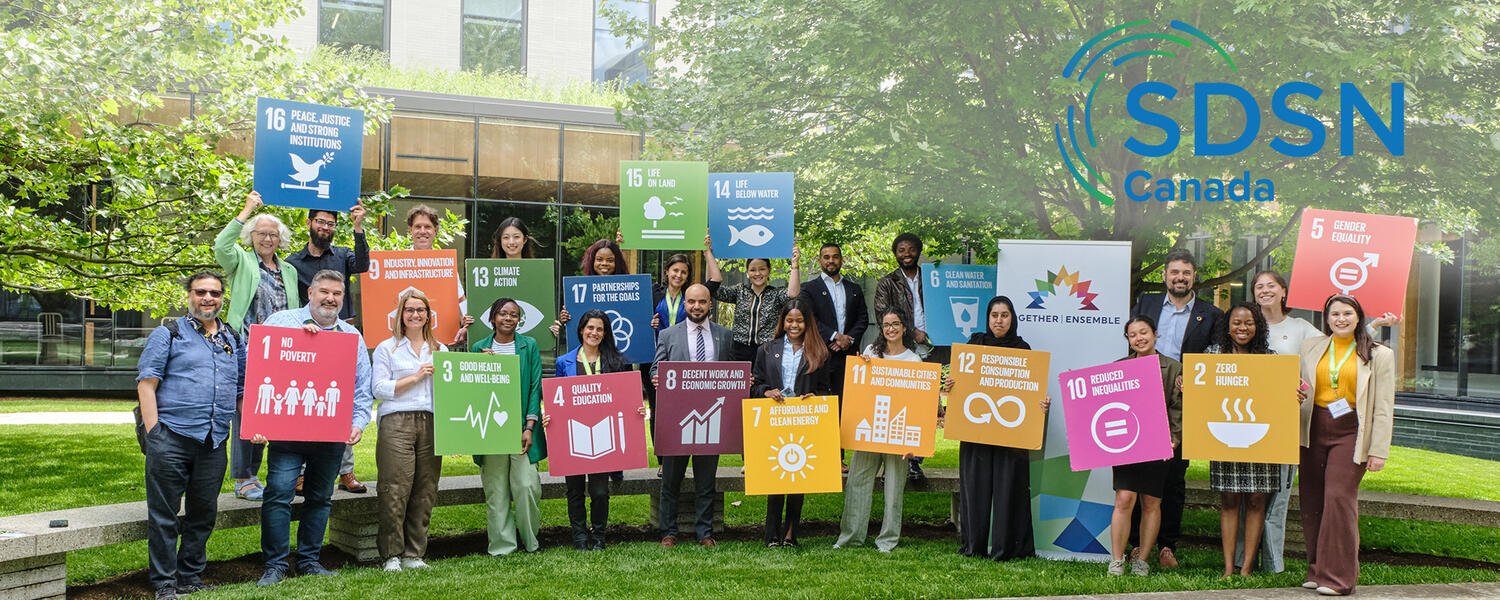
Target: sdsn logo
1352,103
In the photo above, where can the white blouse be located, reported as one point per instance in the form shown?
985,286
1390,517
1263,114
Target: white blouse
394,359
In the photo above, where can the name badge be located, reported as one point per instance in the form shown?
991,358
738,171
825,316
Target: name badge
1339,408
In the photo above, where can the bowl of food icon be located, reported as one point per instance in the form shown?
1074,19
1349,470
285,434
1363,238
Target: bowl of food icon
1238,435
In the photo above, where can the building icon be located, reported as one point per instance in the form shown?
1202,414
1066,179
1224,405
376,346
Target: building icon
887,430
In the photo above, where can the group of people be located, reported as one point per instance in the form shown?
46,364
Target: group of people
798,338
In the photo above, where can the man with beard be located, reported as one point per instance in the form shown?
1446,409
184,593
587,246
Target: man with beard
320,254
320,459
839,309
191,374
1184,325
695,339
902,290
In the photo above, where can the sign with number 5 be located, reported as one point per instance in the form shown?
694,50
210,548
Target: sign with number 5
1365,256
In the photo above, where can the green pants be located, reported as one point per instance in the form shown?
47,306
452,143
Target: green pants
859,492
507,478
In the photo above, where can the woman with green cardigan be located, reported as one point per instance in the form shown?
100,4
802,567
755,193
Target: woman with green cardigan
511,478
260,285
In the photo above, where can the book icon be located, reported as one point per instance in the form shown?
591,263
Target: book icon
597,440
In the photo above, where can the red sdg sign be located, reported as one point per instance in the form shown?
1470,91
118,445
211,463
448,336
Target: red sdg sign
299,386
1365,256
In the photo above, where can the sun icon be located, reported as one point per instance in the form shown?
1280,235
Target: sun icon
792,458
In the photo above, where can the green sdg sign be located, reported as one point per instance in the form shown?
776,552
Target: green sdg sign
530,282
663,204
476,403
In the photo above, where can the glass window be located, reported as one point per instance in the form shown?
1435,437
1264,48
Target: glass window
492,35
347,24
616,57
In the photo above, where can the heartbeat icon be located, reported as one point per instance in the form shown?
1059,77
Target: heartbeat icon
480,420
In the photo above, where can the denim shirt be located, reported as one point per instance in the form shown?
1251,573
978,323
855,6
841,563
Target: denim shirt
363,399
790,363
199,383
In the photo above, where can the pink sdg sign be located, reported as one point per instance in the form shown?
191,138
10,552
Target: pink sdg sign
1116,414
595,425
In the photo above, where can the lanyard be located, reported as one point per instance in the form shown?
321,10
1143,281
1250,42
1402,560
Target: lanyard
590,367
671,311
1335,366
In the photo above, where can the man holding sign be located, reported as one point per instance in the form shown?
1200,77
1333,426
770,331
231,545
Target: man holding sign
286,459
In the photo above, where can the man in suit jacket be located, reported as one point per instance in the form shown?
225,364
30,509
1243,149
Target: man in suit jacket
695,339
1184,325
839,308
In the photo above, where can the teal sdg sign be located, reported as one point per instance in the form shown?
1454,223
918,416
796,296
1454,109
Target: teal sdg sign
663,204
528,281
476,403
308,155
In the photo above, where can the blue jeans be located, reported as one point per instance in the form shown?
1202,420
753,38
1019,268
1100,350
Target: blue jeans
285,461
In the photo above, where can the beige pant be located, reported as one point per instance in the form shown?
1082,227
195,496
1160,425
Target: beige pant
408,482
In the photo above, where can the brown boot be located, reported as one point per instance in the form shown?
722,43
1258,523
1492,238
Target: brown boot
299,486
348,483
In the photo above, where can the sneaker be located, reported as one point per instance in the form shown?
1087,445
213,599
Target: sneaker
914,472
272,576
1324,590
1116,567
315,569
196,585
166,593
1139,567
413,563
1311,585
392,564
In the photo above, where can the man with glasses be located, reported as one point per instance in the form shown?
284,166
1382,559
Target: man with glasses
319,255
190,376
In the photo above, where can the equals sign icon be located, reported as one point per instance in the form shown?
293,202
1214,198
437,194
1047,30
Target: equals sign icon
1114,428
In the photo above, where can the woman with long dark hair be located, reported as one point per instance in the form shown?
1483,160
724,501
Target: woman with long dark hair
792,365
512,240
757,303
994,497
596,353
1346,430
1144,481
604,257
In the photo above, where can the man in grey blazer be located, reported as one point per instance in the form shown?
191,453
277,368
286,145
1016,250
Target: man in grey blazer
699,340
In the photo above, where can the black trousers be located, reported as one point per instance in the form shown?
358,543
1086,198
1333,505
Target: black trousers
673,470
1173,497
779,527
744,352
994,502
176,466
596,485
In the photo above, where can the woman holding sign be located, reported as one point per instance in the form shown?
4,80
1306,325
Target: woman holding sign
513,477
602,258
1346,431
994,482
1242,486
512,240
596,353
897,342
409,468
1144,480
757,303
791,364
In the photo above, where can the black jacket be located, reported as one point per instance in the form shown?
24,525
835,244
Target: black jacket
765,373
1201,322
857,317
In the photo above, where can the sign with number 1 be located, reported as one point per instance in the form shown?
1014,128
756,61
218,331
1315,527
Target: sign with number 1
299,386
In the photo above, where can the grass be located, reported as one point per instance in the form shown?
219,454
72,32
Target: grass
377,71
17,405
77,465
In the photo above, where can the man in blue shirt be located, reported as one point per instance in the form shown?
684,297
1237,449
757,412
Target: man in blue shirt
191,373
286,459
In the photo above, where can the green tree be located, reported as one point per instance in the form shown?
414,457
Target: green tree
938,117
103,197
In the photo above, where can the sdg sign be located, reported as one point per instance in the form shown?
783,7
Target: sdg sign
750,215
308,155
663,204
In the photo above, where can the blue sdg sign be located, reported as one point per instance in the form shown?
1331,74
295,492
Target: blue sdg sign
308,155
750,214
625,299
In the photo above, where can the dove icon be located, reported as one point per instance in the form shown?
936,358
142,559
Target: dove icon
306,172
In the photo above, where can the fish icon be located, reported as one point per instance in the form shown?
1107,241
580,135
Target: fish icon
754,235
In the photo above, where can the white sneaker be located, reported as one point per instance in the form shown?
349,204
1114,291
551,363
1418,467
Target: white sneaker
1311,585
1116,567
1139,567
1328,591
413,563
392,564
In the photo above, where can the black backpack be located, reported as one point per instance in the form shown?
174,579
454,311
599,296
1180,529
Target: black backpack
174,332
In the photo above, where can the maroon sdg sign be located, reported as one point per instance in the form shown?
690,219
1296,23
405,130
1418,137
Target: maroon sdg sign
698,407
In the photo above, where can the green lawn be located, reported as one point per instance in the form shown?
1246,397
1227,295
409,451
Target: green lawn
74,465
16,405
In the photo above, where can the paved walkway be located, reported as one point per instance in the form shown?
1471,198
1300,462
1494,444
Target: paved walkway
67,418
1371,592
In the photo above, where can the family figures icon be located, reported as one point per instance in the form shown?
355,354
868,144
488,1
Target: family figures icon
326,405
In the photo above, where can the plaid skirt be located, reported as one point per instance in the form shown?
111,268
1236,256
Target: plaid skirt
1243,477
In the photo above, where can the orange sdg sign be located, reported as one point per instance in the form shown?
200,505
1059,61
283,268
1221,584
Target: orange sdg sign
890,406
1240,407
392,273
997,396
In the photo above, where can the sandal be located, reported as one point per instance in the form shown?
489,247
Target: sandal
250,490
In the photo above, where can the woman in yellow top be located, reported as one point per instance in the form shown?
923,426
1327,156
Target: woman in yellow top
1346,431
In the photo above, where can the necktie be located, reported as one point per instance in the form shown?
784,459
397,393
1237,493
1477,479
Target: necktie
702,349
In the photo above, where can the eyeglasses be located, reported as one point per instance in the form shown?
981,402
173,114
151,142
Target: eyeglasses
890,325
415,311
325,222
270,235
209,293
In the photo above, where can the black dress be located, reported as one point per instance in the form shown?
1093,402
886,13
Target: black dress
994,488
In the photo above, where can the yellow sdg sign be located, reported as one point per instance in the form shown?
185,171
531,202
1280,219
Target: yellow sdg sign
1240,407
792,447
997,396
890,406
